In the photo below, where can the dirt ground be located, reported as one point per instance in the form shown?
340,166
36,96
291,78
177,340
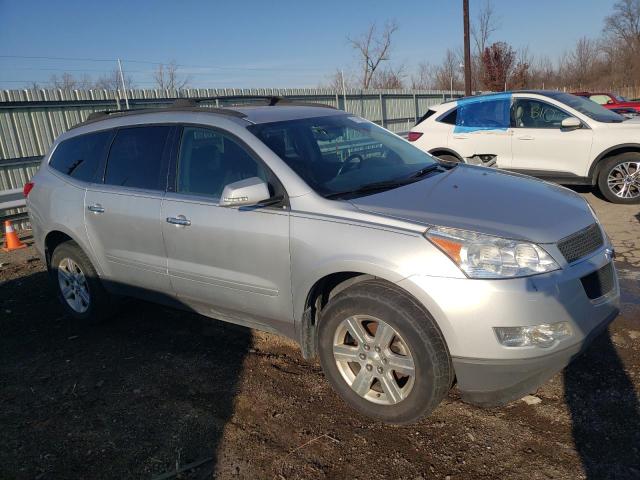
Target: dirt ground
156,389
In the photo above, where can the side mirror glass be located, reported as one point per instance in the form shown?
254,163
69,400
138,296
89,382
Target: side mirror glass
249,191
571,123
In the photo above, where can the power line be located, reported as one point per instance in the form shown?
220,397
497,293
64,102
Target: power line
128,60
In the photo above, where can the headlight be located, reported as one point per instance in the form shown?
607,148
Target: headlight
485,256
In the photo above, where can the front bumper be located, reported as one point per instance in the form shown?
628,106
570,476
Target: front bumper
490,383
466,310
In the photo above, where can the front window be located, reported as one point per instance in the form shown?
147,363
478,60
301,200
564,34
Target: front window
587,107
340,156
210,160
530,113
601,99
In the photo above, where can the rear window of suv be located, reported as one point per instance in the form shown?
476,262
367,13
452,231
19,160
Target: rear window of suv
80,156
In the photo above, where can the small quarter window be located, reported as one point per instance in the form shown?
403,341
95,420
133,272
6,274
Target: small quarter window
80,156
451,117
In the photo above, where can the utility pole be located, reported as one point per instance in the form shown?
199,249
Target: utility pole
344,90
124,88
467,49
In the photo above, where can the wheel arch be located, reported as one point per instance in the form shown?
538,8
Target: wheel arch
58,235
596,165
323,290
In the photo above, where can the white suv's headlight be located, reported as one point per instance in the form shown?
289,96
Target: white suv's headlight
486,256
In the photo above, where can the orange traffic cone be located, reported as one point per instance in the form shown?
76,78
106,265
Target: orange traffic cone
11,240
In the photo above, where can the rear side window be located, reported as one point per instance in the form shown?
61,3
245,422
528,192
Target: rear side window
484,114
450,118
80,156
136,158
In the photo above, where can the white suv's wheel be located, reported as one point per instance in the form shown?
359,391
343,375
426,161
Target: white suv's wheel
619,179
383,353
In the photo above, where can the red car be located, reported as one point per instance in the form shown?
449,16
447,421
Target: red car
611,101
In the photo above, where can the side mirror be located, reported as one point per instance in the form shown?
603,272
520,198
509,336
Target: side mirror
571,123
249,191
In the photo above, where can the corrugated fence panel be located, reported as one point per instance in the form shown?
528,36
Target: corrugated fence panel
30,120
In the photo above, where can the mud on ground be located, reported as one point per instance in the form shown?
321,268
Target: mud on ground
156,388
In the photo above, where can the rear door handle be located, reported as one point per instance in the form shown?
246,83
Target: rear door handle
96,208
525,137
180,221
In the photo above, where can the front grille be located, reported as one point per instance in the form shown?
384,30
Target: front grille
597,284
581,243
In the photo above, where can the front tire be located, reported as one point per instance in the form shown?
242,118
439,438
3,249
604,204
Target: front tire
619,178
78,286
383,353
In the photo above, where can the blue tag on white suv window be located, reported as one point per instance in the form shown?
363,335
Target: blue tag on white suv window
483,113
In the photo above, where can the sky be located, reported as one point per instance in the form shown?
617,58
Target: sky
250,43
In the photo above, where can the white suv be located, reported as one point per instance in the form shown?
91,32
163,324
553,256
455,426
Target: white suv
552,135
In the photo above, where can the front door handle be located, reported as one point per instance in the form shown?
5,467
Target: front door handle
525,137
179,221
96,208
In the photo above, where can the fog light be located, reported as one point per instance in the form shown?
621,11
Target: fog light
544,335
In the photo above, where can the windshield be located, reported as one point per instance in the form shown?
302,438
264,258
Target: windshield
621,98
587,107
340,154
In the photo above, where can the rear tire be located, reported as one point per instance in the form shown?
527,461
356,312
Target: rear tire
374,374
619,178
78,286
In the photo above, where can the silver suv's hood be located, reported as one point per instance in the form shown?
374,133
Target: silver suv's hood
488,201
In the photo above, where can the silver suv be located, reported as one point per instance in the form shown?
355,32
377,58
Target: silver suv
402,273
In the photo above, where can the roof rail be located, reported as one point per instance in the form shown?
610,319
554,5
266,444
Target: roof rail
193,104
270,100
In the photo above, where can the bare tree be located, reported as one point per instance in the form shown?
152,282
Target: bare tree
448,74
486,24
624,23
389,78
112,81
579,65
167,76
423,79
373,48
67,81
335,80
621,43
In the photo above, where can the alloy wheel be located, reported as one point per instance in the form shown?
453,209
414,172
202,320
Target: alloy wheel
73,285
624,180
374,359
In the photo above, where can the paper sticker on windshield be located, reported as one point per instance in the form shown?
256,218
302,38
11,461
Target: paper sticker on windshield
483,113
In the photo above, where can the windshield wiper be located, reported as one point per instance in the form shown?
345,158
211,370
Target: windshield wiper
370,187
423,171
